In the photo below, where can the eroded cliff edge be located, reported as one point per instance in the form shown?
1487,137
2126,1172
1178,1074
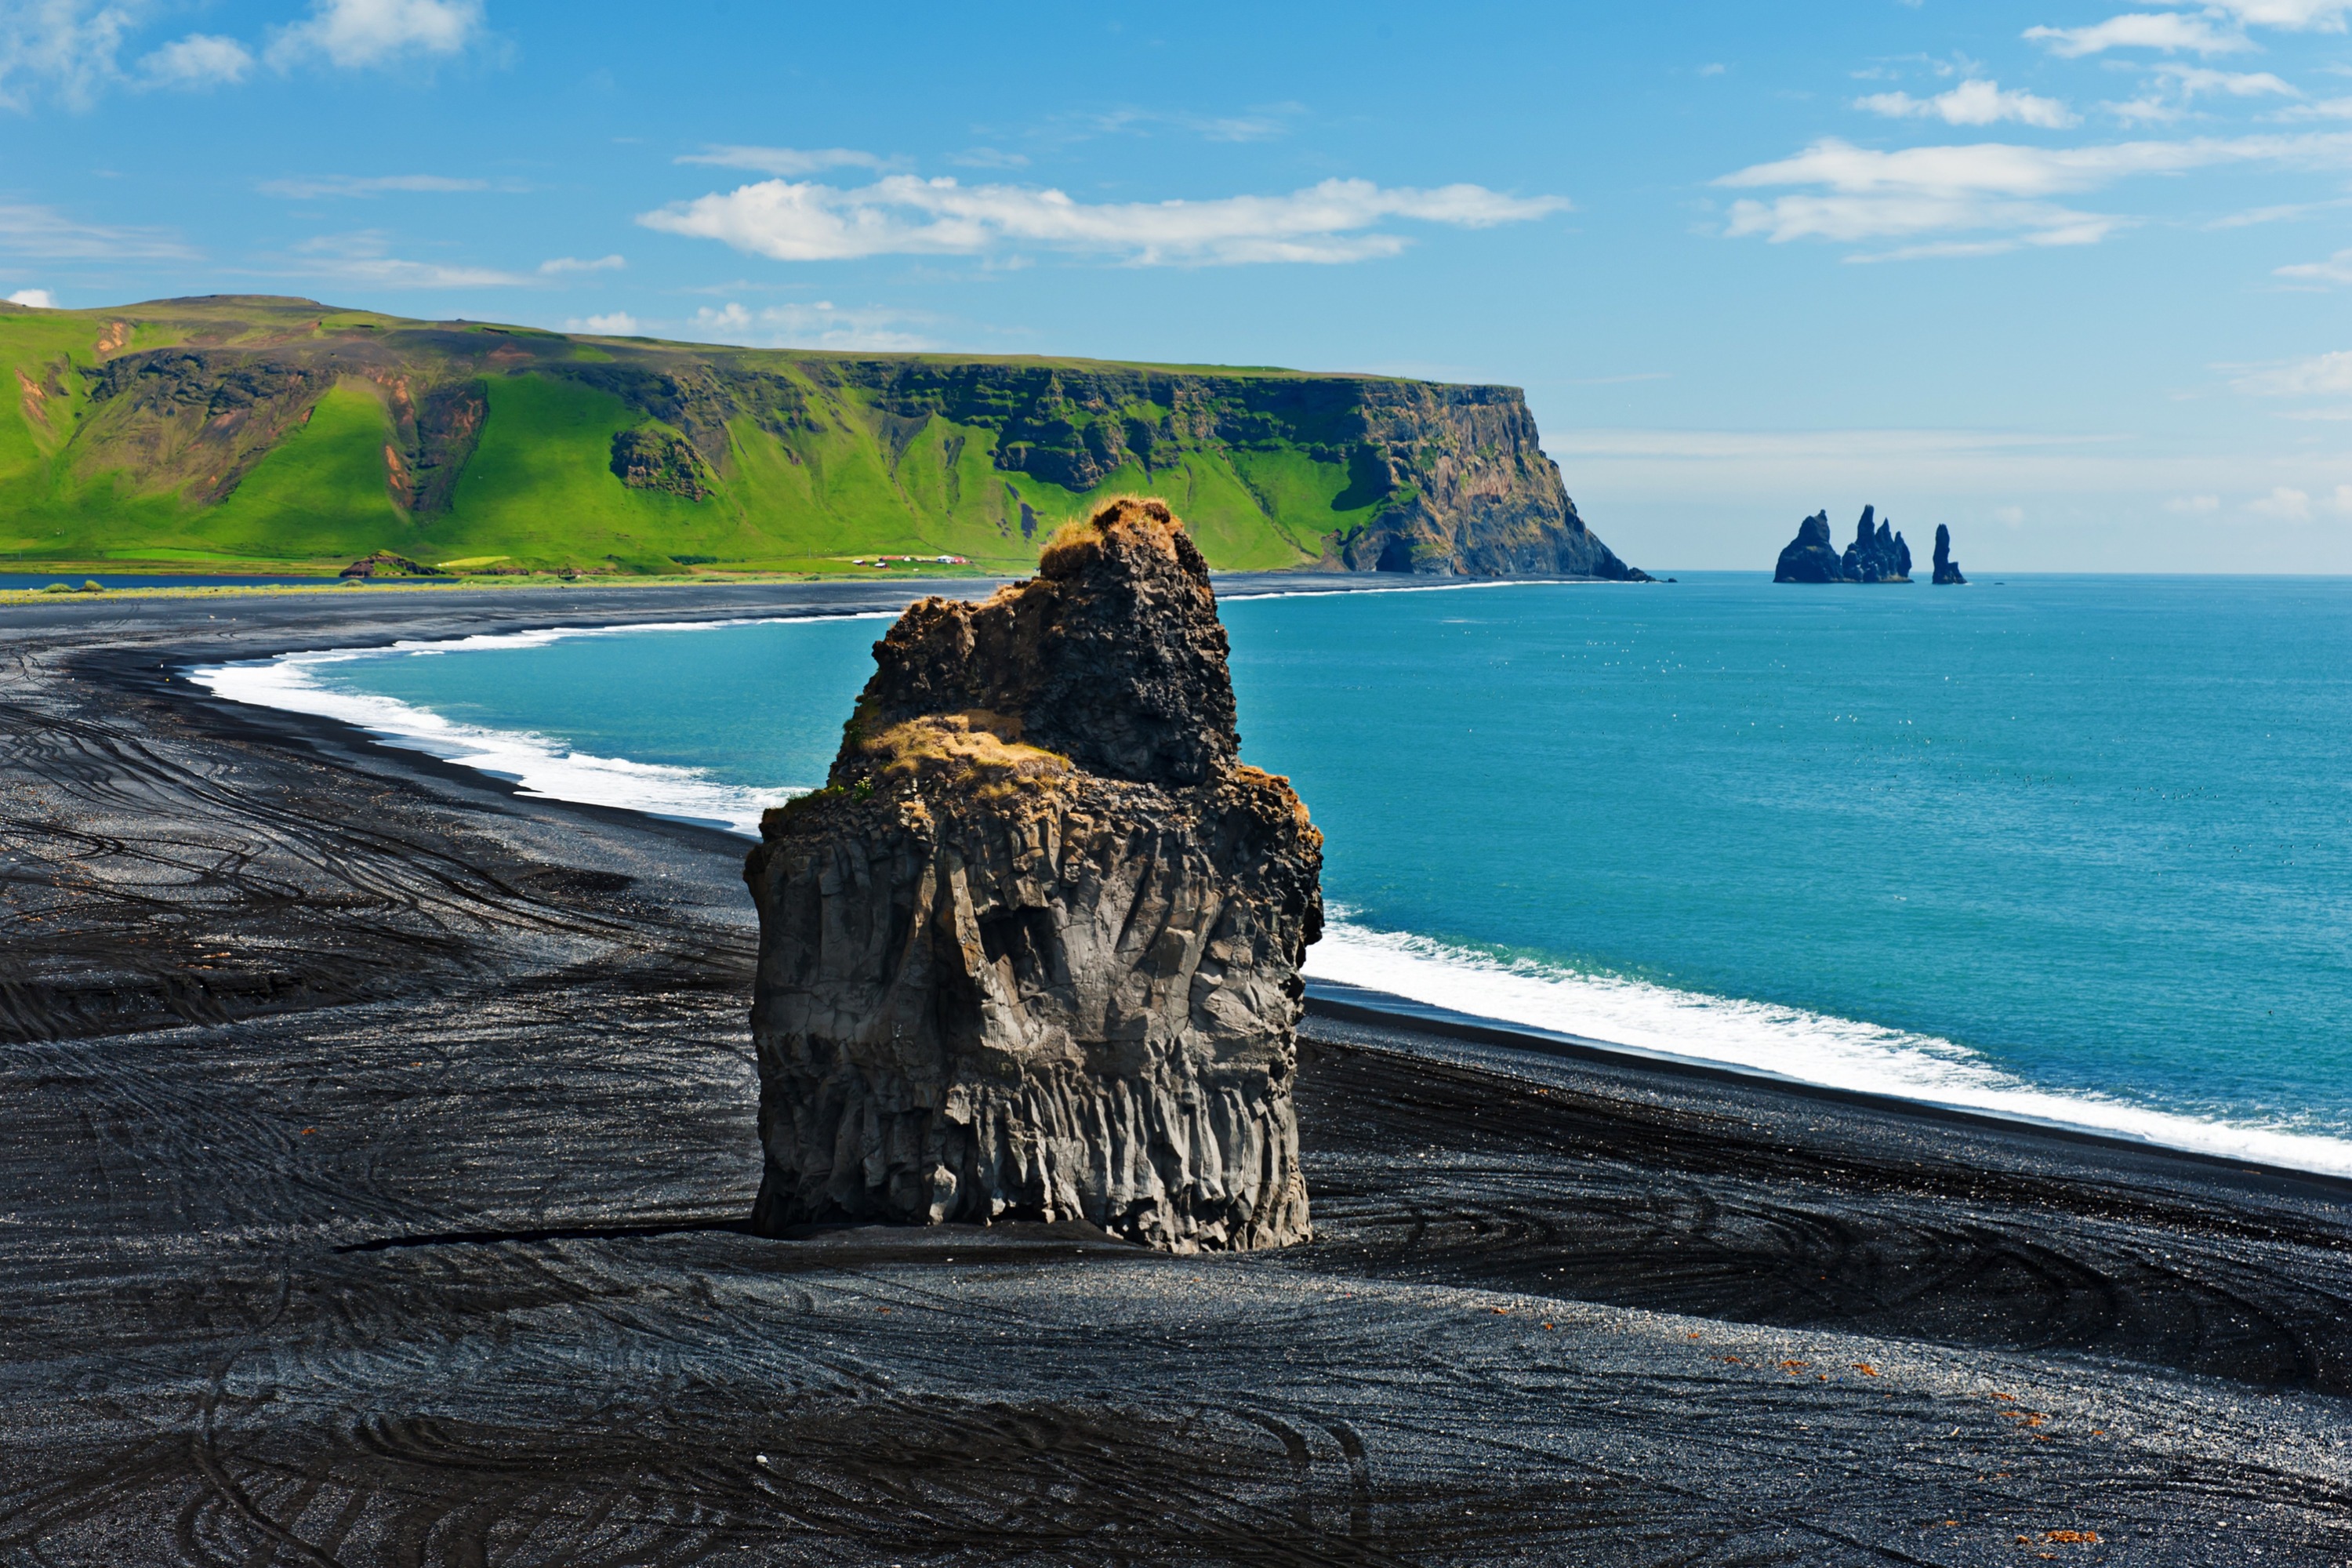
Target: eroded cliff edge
1033,951
508,449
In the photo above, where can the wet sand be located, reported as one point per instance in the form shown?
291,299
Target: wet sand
377,1142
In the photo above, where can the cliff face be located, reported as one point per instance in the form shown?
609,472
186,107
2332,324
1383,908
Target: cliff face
1033,952
457,440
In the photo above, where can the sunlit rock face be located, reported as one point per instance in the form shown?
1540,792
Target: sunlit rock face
1033,951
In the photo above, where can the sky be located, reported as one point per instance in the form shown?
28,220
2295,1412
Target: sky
2071,277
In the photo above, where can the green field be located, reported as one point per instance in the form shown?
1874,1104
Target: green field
241,433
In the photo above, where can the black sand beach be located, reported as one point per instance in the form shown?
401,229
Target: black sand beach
378,1143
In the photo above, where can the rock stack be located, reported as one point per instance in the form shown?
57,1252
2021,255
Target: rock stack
1810,557
1880,557
1876,556
1033,953
1946,569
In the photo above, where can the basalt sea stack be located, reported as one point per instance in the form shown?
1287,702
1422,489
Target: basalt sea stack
1948,571
1033,953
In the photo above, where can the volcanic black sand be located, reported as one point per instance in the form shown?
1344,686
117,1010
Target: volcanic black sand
376,1141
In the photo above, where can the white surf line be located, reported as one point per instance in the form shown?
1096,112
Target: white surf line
543,768
1635,1016
1788,1043
1245,595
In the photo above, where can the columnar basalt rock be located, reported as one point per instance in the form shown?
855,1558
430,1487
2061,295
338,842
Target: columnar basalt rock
1948,571
1033,952
1876,556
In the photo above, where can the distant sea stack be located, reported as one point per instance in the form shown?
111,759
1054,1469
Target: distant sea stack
1033,952
1946,569
1878,555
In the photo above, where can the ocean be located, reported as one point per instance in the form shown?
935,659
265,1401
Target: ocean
2077,849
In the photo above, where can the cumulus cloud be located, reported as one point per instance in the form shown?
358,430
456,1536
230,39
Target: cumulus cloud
313,187
574,263
614,324
36,299
2140,30
200,60
1996,190
68,46
359,34
2321,375
822,325
1971,103
785,161
2284,503
366,257
905,215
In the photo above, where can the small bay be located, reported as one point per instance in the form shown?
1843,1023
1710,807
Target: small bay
2071,847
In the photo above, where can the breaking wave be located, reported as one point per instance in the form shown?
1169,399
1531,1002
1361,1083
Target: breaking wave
1782,1042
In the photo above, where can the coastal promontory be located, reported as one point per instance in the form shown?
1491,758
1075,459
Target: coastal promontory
1033,952
245,432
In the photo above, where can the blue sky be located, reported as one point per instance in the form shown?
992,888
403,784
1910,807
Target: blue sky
2070,276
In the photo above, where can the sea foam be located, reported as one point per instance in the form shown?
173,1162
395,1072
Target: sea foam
541,766
1768,1039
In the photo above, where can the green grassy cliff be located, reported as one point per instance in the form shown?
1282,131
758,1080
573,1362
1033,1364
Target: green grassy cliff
243,433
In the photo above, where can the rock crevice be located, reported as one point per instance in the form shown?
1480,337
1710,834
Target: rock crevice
1033,951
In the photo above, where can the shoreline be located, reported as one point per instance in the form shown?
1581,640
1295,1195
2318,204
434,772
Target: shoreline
1401,1010
376,1131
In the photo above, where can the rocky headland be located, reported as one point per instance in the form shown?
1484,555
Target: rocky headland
1948,571
1878,553
1033,953
489,446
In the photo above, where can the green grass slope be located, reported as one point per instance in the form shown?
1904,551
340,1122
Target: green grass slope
258,432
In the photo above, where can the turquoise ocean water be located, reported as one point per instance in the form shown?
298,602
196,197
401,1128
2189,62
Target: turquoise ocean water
2073,848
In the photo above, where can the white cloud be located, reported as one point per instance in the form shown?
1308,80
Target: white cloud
2294,16
1971,103
2321,375
905,215
2340,499
70,45
2139,30
2194,79
365,258
1995,189
574,263
2326,108
310,188
356,34
42,231
786,161
2287,504
616,324
36,299
820,326
200,60
2193,506
2336,268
